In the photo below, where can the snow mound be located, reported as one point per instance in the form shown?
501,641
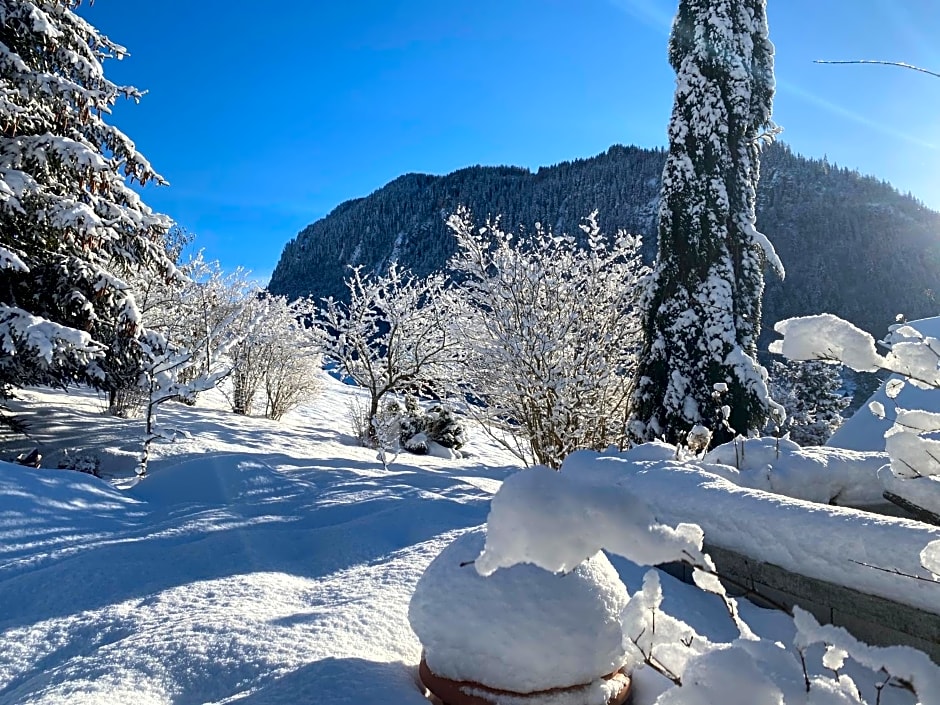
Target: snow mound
827,337
521,629
820,474
556,520
31,492
213,480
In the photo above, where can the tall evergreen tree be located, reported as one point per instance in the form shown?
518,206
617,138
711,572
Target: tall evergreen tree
71,228
703,308
810,393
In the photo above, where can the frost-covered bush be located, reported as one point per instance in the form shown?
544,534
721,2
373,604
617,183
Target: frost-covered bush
292,378
811,398
550,331
394,336
279,356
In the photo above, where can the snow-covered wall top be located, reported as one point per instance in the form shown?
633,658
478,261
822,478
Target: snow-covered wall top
835,544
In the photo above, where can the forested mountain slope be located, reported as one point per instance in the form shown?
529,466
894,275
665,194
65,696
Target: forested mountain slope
852,245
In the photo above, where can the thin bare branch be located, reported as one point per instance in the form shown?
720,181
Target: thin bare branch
899,64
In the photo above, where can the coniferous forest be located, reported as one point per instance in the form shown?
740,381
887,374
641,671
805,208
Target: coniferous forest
851,244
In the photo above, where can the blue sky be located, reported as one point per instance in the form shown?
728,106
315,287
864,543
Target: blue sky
264,117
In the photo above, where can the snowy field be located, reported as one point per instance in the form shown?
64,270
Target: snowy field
259,562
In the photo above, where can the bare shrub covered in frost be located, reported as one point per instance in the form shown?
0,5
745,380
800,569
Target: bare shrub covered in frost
550,333
279,357
394,335
195,311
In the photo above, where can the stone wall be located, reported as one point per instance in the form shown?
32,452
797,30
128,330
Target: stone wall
874,620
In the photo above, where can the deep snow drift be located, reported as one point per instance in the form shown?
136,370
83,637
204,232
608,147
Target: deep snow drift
259,562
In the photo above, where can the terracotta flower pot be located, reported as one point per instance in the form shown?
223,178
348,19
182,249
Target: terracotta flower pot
452,692
521,635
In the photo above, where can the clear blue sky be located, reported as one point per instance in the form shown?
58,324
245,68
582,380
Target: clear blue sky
265,116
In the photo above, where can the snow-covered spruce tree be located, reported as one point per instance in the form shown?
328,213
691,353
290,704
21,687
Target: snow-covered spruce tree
551,334
71,228
394,335
810,395
703,309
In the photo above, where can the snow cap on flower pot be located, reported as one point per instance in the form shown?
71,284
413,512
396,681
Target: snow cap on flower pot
522,630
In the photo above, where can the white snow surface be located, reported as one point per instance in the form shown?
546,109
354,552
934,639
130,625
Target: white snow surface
259,562
520,629
817,474
264,562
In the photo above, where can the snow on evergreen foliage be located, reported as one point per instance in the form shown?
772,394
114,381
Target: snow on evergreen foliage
419,427
810,395
550,333
703,310
71,228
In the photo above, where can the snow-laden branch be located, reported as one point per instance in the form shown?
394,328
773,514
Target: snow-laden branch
393,336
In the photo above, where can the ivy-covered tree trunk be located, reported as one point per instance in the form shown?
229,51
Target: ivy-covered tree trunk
703,308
